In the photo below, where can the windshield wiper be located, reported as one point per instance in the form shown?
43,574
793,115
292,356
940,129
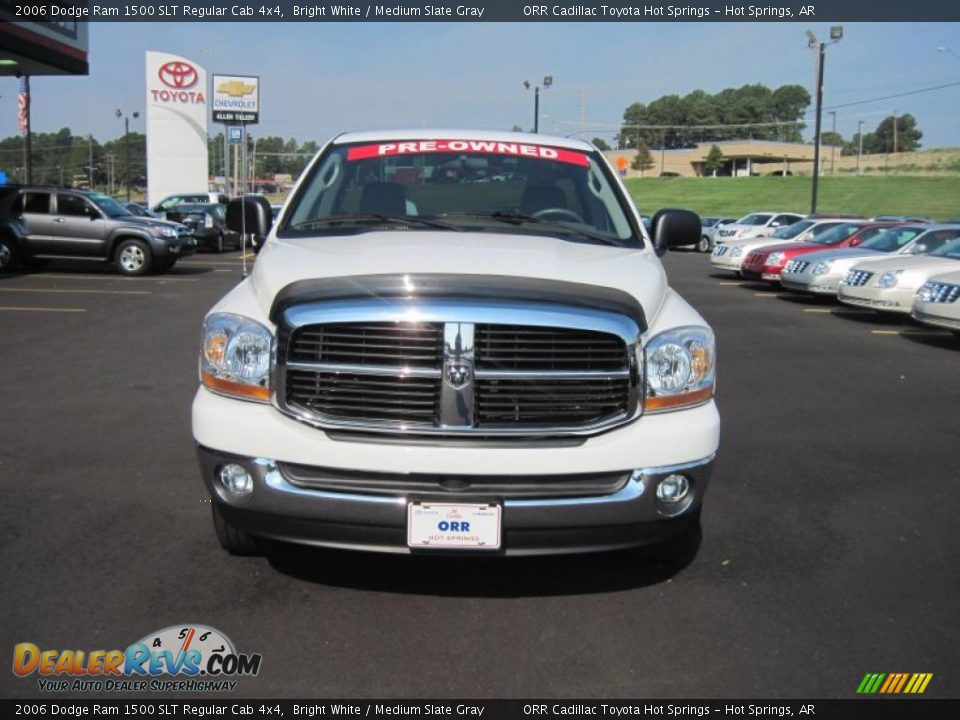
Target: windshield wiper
515,218
407,221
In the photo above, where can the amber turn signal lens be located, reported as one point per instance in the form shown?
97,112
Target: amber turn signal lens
665,402
235,389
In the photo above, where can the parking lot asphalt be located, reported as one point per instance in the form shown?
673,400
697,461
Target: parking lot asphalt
829,545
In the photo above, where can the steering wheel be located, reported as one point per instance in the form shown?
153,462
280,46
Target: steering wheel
557,213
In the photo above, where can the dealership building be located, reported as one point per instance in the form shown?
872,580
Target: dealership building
741,158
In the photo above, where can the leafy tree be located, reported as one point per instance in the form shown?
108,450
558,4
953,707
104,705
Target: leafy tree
832,139
643,160
908,134
714,160
600,144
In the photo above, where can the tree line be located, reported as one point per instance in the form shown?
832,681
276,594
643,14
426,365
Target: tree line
62,158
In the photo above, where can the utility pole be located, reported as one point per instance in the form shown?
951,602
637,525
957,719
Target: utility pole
833,147
894,131
859,143
90,162
816,140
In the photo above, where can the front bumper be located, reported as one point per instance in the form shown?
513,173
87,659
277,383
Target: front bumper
726,262
816,284
944,315
279,510
882,299
262,439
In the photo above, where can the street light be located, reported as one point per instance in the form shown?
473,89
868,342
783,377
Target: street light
126,145
948,51
836,35
547,82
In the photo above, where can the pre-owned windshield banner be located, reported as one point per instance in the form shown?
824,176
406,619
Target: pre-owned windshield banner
416,147
479,11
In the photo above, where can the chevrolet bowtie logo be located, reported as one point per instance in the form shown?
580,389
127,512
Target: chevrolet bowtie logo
236,88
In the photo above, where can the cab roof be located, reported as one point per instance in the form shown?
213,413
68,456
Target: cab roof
376,136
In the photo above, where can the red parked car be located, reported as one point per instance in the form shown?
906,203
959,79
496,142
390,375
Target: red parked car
767,263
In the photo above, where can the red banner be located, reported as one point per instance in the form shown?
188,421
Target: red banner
489,147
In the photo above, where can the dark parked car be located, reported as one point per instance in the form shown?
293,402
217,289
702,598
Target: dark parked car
40,223
208,223
172,201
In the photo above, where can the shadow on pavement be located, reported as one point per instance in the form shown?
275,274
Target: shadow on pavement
460,576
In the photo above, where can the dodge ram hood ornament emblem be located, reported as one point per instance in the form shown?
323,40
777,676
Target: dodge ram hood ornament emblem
459,374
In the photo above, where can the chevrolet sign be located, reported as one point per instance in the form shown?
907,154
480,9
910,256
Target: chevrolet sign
236,99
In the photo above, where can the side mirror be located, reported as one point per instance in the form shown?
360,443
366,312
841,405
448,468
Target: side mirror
919,249
855,242
673,228
250,215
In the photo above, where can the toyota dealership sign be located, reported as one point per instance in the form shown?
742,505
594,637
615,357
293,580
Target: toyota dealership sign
177,114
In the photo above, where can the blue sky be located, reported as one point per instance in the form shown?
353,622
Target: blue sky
319,79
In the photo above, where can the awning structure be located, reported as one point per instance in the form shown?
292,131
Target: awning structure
41,48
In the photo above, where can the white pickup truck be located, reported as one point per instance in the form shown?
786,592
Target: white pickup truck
456,342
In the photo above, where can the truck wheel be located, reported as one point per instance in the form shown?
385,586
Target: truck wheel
232,539
8,255
133,257
704,245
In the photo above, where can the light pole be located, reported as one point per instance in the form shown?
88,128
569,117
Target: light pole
836,35
833,147
547,82
126,145
948,51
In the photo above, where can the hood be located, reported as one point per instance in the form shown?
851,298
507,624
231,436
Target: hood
952,278
791,247
748,244
842,253
923,263
285,261
147,221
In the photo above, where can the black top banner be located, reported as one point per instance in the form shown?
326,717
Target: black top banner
812,11
892,709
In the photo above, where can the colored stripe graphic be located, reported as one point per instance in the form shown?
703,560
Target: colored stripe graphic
894,683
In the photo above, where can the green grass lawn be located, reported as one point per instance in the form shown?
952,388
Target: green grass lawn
936,197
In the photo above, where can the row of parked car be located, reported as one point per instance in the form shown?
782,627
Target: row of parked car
891,264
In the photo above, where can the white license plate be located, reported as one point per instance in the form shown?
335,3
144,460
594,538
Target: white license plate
448,525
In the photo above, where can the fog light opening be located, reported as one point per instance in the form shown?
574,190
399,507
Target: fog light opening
235,479
674,494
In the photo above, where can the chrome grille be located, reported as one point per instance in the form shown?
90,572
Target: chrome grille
797,266
720,251
507,347
349,396
858,278
560,402
391,343
942,292
456,377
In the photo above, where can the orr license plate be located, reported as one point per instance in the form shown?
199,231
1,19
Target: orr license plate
454,526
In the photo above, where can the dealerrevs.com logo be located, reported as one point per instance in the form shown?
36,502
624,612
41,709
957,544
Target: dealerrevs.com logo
180,658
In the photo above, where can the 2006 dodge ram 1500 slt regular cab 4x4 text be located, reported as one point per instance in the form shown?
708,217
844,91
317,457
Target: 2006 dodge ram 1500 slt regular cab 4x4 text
456,341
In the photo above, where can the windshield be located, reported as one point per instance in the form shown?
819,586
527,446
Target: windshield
109,206
892,239
708,221
755,219
791,231
461,185
836,234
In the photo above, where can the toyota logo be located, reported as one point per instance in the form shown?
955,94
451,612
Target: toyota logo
177,74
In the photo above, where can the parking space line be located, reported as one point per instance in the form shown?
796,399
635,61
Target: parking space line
76,291
767,294
42,309
818,310
736,283
906,332
116,278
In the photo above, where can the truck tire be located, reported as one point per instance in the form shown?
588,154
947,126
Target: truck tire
133,257
220,242
232,539
8,255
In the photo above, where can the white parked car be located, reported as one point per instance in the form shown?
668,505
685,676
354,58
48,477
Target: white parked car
755,224
820,273
937,303
889,285
709,227
730,255
503,369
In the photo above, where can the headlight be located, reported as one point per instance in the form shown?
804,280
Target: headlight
925,293
775,258
165,231
736,252
821,268
889,279
235,356
680,368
